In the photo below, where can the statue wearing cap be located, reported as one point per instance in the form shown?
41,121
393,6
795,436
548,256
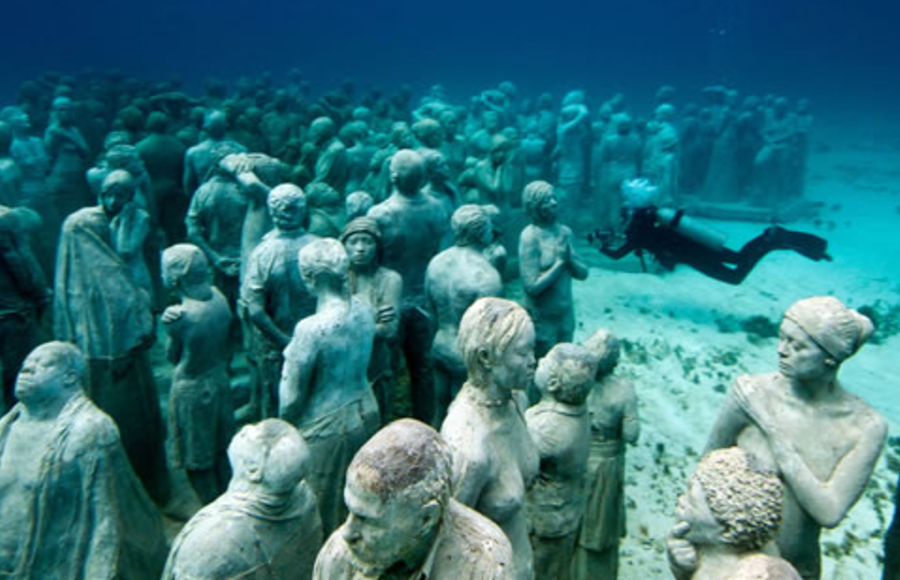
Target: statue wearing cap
823,441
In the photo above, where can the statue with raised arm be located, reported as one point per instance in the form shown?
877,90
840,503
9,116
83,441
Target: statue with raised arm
494,460
201,418
324,387
800,422
266,526
726,520
547,264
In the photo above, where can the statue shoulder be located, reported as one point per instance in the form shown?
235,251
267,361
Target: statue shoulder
473,547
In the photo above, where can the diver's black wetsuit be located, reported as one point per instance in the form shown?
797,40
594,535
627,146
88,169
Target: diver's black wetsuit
892,542
645,233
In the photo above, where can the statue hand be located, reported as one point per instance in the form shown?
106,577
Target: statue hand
385,315
172,314
228,266
681,553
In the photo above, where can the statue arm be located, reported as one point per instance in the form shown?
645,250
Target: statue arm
731,421
631,425
253,295
196,230
174,344
829,501
577,268
534,281
388,315
299,364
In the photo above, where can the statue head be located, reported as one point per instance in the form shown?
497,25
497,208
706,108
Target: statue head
320,194
436,167
540,202
321,130
324,264
730,501
131,118
407,171
270,456
402,136
185,265
116,191
575,97
566,373
215,124
496,341
817,335
490,120
398,489
52,372
665,113
157,123
501,145
362,240
429,132
16,117
471,226
287,207
605,346
358,204
62,109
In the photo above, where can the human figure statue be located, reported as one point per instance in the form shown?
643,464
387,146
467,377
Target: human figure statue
327,210
24,296
892,542
560,427
100,307
68,154
378,181
494,459
722,177
772,166
729,513
455,279
382,289
200,159
823,441
266,526
30,158
274,297
331,165
572,132
499,177
614,422
163,156
324,387
10,176
279,125
547,265
619,158
440,183
70,504
660,162
404,522
413,227
201,418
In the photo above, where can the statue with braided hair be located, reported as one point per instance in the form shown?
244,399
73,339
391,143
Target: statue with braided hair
729,513
823,441
201,420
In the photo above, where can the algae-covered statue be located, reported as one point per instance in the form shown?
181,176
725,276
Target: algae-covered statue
324,388
822,441
68,154
200,159
266,526
274,296
413,226
404,522
560,427
201,421
729,513
455,279
494,459
547,264
100,307
70,504
382,289
614,422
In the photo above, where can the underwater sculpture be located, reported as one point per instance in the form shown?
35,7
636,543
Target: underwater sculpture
24,295
618,160
163,156
823,441
68,154
573,130
100,307
547,264
728,514
331,165
324,387
414,228
201,417
614,423
673,238
773,167
382,289
404,522
358,204
455,279
10,176
327,210
660,162
70,504
560,427
266,526
273,295
200,159
494,460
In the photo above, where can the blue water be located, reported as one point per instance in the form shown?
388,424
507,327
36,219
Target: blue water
842,54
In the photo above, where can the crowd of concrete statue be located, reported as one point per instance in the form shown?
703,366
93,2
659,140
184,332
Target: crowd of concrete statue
352,396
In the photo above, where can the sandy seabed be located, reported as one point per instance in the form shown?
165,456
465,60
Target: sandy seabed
685,343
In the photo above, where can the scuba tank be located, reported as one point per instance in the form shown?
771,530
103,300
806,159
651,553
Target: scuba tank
690,228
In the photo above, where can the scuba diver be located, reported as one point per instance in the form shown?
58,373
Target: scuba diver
672,238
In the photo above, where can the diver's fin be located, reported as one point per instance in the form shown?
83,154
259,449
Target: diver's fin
809,245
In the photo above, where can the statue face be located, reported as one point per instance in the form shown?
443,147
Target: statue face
515,369
42,378
799,357
113,199
380,533
361,249
693,509
547,209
